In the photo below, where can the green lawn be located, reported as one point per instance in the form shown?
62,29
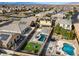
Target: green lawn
33,47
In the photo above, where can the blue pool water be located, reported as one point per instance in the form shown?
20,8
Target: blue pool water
68,49
42,37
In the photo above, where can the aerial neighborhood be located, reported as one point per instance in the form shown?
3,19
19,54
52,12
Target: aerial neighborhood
39,30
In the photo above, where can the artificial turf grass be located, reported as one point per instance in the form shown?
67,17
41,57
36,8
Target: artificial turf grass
33,47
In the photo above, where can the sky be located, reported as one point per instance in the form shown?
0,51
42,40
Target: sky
34,2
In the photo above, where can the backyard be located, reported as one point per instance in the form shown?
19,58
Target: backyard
65,33
33,47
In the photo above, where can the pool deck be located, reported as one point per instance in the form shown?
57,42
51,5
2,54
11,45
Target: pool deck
35,39
51,49
71,42
75,43
44,30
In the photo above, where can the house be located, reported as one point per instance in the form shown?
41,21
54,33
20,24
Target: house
41,14
58,15
1,11
18,26
45,22
26,21
64,23
7,40
8,10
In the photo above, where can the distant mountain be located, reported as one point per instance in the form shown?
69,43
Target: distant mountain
73,3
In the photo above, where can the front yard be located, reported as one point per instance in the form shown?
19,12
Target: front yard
33,47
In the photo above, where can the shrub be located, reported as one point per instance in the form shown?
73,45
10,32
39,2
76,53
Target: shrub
65,33
57,29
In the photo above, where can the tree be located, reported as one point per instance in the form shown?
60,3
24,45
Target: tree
67,16
57,29
70,13
74,9
32,23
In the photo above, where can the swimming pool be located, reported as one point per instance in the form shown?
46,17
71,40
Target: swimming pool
67,48
42,37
